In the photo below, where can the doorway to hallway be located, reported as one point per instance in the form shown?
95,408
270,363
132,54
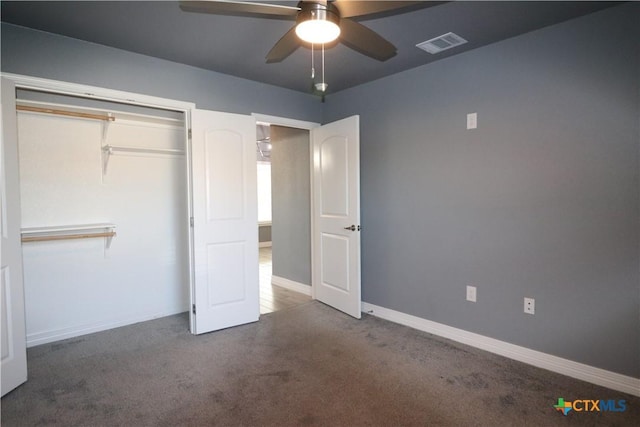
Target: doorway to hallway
273,297
283,216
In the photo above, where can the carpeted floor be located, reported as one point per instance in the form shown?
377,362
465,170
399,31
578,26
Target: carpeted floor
308,365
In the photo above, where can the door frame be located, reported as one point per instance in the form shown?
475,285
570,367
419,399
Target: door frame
299,124
123,97
14,358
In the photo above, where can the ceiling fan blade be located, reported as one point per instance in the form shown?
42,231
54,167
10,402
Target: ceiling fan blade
366,41
224,7
284,47
352,9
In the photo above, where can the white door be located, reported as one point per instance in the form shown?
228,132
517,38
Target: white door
336,216
13,345
225,221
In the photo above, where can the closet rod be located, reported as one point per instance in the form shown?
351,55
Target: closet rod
107,117
110,149
68,237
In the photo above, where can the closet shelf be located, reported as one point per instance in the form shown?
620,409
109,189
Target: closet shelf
68,232
111,149
108,150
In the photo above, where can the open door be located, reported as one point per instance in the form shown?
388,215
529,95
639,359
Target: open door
225,221
13,347
336,215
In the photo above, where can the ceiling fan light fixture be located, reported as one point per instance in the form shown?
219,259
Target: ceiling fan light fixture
318,31
317,24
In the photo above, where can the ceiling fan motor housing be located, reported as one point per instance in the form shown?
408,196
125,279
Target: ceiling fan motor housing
310,11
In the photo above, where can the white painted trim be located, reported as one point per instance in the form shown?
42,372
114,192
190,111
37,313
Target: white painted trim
264,244
298,124
37,83
283,121
552,363
76,331
291,285
312,218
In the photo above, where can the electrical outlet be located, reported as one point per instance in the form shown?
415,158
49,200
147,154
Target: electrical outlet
471,293
529,306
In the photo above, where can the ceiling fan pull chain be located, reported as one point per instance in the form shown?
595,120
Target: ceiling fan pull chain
324,86
313,69
321,88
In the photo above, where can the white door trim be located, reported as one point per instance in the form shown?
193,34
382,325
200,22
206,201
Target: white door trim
93,92
12,312
299,124
283,121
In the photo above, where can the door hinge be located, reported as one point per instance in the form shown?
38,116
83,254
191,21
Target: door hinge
189,134
191,221
193,308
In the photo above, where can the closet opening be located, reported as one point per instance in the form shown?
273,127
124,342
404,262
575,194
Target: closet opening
104,209
283,162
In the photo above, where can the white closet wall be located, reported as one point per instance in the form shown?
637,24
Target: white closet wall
78,286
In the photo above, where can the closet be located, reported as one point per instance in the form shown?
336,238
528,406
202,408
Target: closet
104,214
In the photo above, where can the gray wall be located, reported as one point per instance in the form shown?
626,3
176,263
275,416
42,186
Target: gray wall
264,233
40,54
541,201
290,204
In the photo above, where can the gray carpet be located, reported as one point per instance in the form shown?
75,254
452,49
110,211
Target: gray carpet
308,365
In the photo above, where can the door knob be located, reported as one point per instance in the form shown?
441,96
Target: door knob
353,228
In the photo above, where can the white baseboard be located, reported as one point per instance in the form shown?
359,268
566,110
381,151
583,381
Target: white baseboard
264,244
46,337
291,285
552,363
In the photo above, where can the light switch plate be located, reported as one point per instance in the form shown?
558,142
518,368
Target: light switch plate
472,120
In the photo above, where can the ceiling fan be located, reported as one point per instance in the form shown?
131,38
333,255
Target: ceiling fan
317,22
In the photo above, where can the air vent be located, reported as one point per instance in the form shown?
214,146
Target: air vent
440,43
